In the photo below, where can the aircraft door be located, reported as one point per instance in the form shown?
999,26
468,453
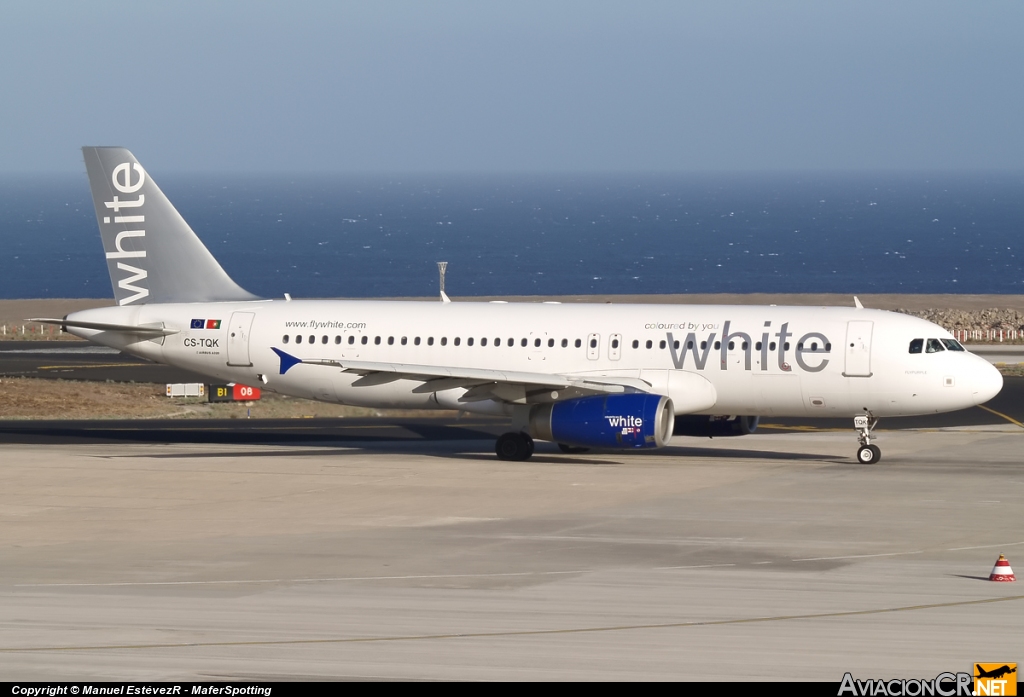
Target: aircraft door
858,349
238,338
615,347
593,347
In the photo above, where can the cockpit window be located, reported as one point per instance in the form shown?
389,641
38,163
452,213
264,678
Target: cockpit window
916,345
934,346
953,345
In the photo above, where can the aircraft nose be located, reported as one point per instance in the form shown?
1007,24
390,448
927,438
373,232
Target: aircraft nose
986,383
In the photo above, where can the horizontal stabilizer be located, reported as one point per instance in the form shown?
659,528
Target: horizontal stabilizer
141,330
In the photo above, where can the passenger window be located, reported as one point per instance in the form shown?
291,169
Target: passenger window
511,342
745,346
551,343
312,339
703,345
732,345
828,347
565,342
636,344
524,342
323,340
787,346
337,339
284,339
483,341
430,341
675,344
953,345
757,346
391,341
814,345
593,343
444,341
689,344
457,341
662,344
351,338
364,340
578,343
416,341
933,346
298,338
405,340
536,342
718,345
771,346
649,343
497,342
615,343
376,340
800,346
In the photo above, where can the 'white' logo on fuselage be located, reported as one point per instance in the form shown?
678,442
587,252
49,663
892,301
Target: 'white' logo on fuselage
121,177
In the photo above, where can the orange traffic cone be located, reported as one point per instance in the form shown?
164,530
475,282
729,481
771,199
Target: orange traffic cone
1002,571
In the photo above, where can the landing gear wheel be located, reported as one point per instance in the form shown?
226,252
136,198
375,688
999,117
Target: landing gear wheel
572,449
869,454
514,446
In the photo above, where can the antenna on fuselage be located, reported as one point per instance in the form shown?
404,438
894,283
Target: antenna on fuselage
442,266
856,303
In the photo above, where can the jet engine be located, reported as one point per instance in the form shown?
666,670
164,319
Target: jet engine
712,426
613,421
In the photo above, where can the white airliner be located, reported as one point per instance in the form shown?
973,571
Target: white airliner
580,375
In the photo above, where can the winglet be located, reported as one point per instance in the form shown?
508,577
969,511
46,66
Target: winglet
287,360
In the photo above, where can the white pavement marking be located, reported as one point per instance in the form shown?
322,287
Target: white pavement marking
861,556
301,580
1008,544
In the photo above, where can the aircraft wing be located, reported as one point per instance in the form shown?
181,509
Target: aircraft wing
516,387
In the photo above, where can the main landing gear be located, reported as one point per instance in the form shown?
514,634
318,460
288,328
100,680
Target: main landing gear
514,446
868,453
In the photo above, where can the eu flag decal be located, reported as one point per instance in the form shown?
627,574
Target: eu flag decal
198,324
213,324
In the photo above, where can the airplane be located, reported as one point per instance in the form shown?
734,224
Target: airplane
995,673
608,376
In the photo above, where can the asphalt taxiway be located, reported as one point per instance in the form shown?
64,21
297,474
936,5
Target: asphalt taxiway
1007,408
772,556
369,548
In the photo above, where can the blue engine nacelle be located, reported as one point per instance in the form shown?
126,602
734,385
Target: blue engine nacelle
614,421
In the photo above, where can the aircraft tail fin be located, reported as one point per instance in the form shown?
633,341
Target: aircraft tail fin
153,256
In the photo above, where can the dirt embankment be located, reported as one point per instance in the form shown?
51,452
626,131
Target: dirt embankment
14,313
1006,319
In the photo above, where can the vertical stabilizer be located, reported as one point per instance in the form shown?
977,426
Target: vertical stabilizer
152,254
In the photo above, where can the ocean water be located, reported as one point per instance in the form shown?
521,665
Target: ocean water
346,236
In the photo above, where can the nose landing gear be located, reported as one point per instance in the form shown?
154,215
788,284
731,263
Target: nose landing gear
868,453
